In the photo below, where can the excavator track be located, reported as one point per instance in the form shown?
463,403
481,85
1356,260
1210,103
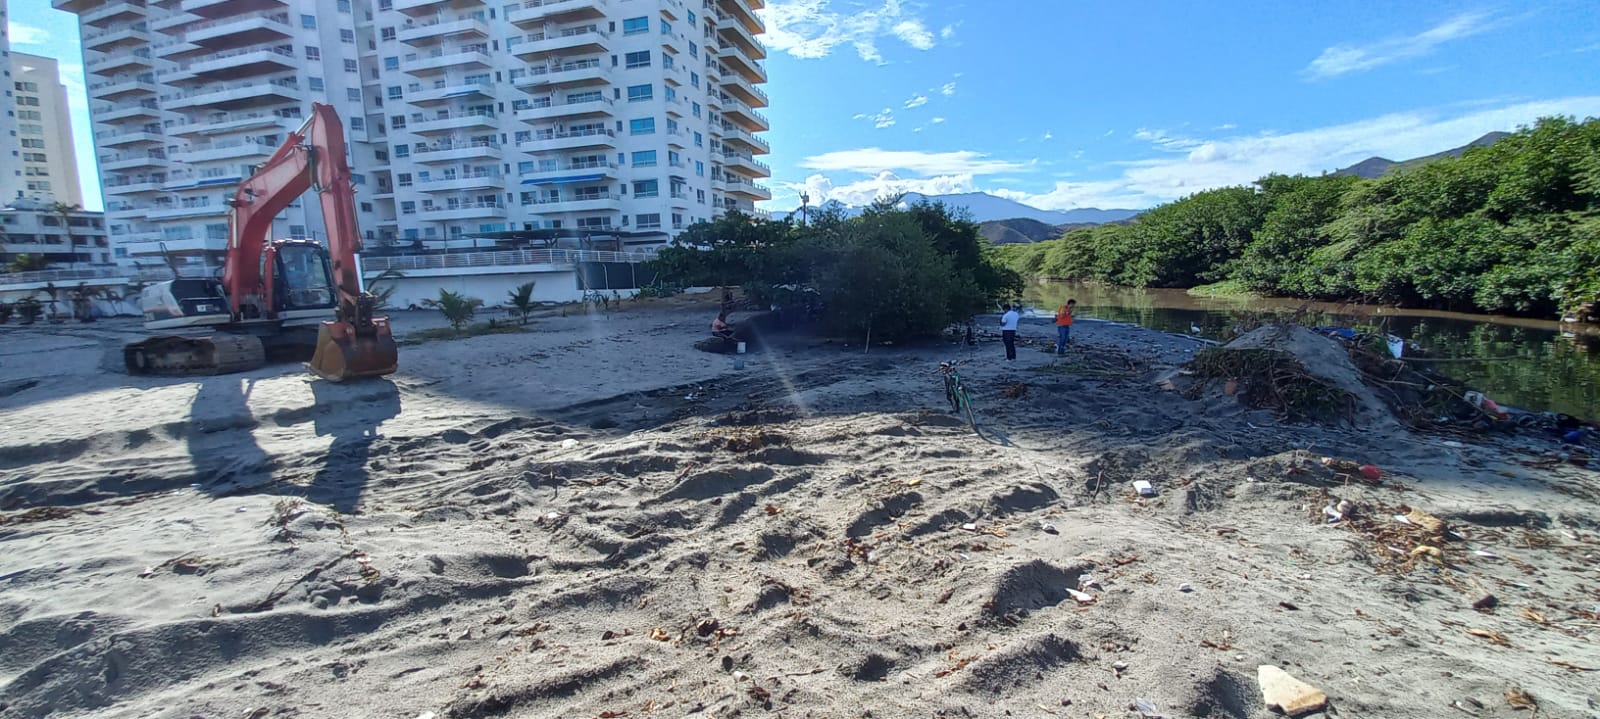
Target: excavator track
220,353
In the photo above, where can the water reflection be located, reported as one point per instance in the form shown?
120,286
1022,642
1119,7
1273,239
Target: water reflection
1540,367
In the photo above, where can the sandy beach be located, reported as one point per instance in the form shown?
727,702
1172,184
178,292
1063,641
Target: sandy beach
593,519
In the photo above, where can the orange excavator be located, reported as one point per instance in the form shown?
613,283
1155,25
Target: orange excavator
276,296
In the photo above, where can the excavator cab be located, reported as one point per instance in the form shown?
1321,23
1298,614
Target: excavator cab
303,279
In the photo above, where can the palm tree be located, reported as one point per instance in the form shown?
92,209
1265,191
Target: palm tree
458,310
522,300
64,211
382,287
29,263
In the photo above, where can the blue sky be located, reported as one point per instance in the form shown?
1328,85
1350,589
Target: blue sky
1085,104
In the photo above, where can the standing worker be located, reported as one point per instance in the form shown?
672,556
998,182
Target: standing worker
1008,332
1064,326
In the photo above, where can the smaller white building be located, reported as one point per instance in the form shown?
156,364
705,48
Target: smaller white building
74,241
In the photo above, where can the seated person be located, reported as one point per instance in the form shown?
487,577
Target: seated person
720,327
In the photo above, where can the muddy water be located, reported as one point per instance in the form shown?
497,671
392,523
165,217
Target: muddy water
1534,364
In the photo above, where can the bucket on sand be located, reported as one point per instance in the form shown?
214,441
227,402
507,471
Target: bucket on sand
740,349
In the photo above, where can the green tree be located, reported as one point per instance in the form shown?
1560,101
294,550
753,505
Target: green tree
383,286
457,310
64,211
521,300
29,263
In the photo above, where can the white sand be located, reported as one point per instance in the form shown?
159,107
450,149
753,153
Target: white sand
593,517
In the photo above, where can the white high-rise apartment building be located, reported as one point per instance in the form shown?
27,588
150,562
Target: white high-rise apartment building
11,181
49,164
466,117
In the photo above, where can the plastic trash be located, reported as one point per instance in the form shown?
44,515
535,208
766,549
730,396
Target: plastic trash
569,443
1370,472
1144,488
1397,346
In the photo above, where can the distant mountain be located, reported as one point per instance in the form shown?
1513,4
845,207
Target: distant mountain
1017,231
986,207
1374,167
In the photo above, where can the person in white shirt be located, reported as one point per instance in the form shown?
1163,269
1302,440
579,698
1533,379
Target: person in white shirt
1008,332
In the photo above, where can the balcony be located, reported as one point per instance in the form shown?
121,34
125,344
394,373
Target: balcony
174,49
746,163
735,60
134,35
217,123
236,96
200,180
545,108
474,181
445,91
132,160
121,63
475,57
451,122
742,114
220,8
568,41
108,13
123,88
589,71
234,32
142,111
132,188
741,88
743,15
739,186
543,11
226,150
129,139
446,152
549,140
732,30
244,62
423,8
564,173
159,245
593,202
734,133
173,24
463,211
171,212
429,33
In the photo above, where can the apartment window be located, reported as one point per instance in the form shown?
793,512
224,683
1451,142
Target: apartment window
644,158
694,50
27,101
700,196
315,83
408,207
677,221
391,63
35,157
403,179
694,79
313,53
344,6
394,92
699,139
640,93
635,25
667,62
525,167
386,33
647,221
692,23
380,155
357,123
525,198
666,28
699,168
31,129
348,36
695,108
638,59
385,4
27,86
642,126
513,41
647,188
592,223
351,66
308,22
29,115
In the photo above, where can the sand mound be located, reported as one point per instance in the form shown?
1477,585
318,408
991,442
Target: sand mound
1300,372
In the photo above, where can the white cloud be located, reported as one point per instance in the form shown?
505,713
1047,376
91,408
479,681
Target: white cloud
811,29
27,34
1242,160
917,101
822,189
949,31
914,33
1163,141
874,161
1342,59
936,120
947,89
1049,135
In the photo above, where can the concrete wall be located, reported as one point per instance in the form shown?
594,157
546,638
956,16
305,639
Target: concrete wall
549,286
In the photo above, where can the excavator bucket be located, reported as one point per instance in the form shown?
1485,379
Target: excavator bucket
344,352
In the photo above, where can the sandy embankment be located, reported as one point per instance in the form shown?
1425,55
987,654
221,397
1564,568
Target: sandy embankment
595,518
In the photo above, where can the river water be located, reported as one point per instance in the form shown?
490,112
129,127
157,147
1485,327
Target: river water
1533,364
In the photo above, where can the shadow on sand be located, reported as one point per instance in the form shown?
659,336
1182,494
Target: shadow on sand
350,413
